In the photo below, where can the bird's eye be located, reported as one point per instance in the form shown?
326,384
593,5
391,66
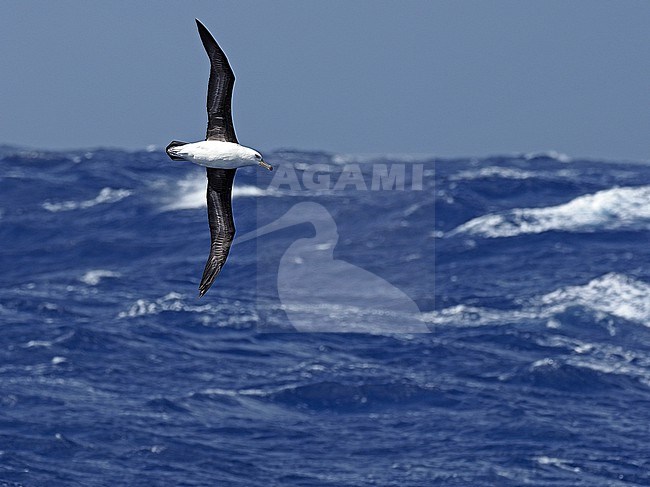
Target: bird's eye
257,156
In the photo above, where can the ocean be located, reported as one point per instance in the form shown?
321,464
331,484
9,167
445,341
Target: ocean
381,321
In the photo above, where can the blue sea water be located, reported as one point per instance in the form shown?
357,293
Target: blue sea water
531,274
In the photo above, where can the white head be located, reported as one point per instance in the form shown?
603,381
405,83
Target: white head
257,159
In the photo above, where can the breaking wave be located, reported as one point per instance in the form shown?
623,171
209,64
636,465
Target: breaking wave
190,194
612,294
106,195
493,172
610,209
92,278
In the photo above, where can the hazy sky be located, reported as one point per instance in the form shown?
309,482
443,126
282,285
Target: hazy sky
451,78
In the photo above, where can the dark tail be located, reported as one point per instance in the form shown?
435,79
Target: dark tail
174,143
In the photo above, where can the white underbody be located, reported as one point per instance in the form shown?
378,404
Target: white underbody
216,154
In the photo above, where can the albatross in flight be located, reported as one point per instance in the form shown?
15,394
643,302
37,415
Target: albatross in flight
221,154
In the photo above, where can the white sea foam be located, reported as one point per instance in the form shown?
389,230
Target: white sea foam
475,316
191,193
244,191
601,357
92,278
557,462
106,195
609,209
209,314
555,155
612,294
49,343
493,172
170,302
615,294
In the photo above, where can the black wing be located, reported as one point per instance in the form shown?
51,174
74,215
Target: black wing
222,80
222,226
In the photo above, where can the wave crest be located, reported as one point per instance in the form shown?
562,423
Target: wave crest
612,294
609,209
191,194
615,294
106,195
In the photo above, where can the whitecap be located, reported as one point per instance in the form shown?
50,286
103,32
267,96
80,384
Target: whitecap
106,195
48,343
603,358
38,343
191,194
93,277
476,316
557,462
493,172
552,154
609,209
243,191
170,302
614,294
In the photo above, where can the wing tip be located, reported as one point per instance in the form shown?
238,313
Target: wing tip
204,287
207,279
210,273
203,30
